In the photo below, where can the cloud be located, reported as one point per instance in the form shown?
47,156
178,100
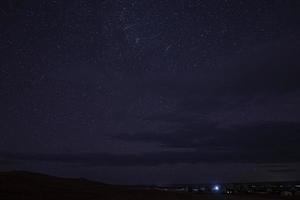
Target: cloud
257,142
270,142
282,170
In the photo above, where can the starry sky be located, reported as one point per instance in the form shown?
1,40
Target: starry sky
151,91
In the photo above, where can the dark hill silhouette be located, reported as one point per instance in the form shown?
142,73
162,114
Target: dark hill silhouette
22,185
27,185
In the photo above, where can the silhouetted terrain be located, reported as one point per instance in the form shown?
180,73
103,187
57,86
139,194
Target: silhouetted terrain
25,185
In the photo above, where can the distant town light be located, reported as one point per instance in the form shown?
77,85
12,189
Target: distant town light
216,188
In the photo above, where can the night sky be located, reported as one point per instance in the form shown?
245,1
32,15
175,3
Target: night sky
151,91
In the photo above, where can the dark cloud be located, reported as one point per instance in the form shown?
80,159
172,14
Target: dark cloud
255,144
258,142
5,161
282,170
106,159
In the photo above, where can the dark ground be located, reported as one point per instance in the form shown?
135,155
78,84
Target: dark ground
24,185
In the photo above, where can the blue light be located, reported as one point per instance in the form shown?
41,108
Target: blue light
216,188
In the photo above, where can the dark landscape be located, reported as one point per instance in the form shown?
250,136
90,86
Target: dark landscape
22,185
